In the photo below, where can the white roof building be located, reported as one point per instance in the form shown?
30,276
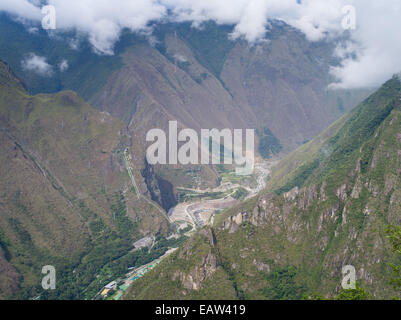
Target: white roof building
111,285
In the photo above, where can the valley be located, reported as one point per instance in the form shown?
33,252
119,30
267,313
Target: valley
332,202
199,213
103,123
189,217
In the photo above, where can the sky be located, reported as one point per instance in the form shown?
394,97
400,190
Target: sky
370,56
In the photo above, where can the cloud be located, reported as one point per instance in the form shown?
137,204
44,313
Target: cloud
103,20
33,30
63,66
370,55
313,17
22,8
180,58
375,47
100,20
37,64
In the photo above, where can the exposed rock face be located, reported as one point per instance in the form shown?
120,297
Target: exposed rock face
7,76
261,266
289,215
323,196
342,193
194,279
261,86
64,181
205,265
232,223
161,191
308,195
356,191
208,233
292,194
334,215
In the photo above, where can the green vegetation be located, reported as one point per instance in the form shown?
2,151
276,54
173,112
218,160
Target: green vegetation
240,194
168,286
269,145
394,235
186,229
299,177
358,293
4,244
119,209
188,195
283,285
57,209
91,69
211,44
341,150
340,104
286,248
134,259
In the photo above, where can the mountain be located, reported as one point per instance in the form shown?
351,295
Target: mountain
327,205
198,77
66,198
203,79
77,191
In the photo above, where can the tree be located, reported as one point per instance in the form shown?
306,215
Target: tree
394,235
354,294
283,285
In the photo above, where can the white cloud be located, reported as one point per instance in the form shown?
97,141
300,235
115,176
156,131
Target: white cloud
33,30
313,17
37,64
63,66
180,58
376,45
22,8
369,57
103,20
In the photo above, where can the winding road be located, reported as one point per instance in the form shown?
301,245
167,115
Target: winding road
200,213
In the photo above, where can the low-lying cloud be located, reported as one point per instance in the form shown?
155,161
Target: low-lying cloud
63,66
375,47
369,57
37,64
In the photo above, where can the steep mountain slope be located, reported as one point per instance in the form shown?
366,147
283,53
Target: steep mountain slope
87,72
198,77
328,210
66,198
204,80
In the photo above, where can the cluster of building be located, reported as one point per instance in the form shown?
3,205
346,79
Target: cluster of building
111,288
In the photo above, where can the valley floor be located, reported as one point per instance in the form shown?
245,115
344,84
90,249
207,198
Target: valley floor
197,214
193,215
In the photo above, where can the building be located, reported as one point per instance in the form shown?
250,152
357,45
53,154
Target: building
105,292
111,285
